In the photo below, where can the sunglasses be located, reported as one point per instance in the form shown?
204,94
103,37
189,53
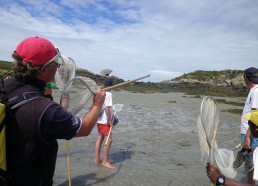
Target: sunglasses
54,59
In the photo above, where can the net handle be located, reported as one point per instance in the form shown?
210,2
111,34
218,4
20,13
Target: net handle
117,108
124,83
61,86
237,146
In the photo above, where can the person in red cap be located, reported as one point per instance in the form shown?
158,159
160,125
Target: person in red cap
38,122
248,141
213,172
104,123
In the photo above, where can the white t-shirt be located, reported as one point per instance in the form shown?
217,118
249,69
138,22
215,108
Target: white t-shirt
251,102
102,118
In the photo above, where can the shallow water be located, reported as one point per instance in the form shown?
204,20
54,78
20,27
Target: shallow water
154,143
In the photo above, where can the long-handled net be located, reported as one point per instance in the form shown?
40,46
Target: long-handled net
76,92
207,125
116,108
63,75
79,92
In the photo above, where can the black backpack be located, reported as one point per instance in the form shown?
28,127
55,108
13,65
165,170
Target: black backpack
6,107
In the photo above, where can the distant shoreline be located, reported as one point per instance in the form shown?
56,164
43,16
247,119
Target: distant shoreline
196,83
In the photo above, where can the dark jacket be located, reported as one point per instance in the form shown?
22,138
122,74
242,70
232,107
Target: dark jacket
30,159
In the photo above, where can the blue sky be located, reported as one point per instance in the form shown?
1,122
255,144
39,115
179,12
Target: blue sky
163,38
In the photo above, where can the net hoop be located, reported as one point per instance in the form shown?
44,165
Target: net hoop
207,124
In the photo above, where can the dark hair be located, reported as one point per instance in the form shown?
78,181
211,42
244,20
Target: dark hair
108,82
23,70
248,78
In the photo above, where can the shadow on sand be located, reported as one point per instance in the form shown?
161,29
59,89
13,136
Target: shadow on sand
93,179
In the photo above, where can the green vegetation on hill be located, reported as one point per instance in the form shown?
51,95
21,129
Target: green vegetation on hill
5,65
204,75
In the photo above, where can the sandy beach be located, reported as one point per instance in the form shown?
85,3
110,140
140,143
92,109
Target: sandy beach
155,143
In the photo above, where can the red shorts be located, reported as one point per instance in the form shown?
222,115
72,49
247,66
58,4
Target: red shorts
103,129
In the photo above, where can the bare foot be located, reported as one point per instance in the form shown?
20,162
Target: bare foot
97,160
108,165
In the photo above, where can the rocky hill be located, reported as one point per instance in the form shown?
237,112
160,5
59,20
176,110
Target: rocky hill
216,81
97,77
225,80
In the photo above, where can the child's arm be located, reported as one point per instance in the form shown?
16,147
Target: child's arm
109,117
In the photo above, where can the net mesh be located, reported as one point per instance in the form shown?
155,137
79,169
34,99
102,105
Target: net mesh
207,124
117,107
224,159
90,83
76,95
65,73
209,119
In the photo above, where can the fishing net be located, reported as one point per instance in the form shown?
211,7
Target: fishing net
79,91
65,72
224,159
77,94
204,146
117,108
207,124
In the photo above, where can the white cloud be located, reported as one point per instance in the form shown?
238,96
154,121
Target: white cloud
160,74
134,38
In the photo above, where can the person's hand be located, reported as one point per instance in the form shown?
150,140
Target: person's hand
99,98
247,142
111,125
212,171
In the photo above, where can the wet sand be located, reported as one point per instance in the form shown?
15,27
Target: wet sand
155,143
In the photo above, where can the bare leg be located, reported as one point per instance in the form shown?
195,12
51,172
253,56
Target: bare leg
250,177
98,148
105,162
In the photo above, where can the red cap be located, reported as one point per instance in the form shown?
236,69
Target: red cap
37,51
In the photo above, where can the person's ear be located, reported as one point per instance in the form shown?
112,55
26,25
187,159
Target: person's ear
43,69
41,72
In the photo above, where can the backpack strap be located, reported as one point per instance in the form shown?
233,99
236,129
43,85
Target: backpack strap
22,99
2,124
18,101
3,101
3,96
2,116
